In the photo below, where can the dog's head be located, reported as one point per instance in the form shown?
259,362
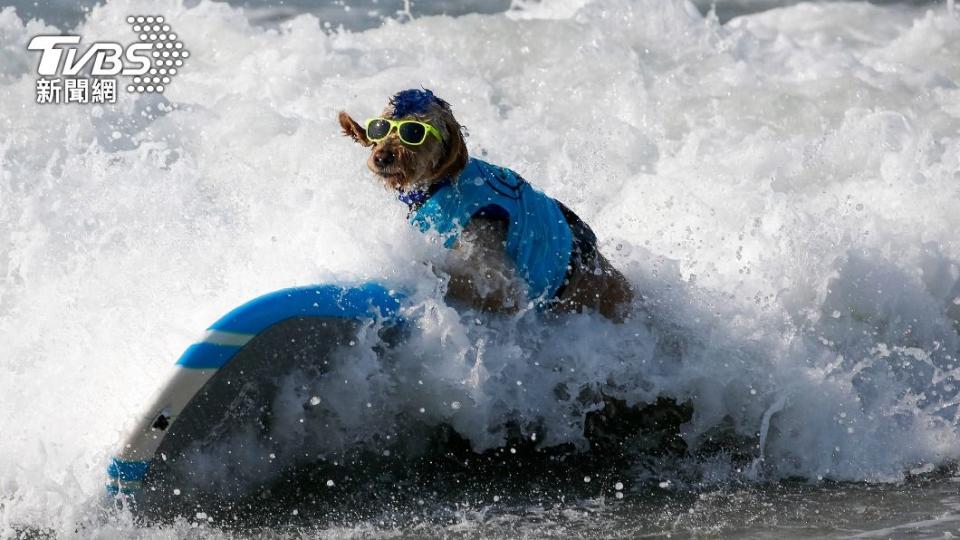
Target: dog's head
411,167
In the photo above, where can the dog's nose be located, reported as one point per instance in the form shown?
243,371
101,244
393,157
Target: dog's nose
383,157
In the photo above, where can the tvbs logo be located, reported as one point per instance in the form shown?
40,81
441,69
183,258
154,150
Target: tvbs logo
151,62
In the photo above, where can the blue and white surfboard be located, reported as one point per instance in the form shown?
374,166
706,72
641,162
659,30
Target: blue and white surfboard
244,341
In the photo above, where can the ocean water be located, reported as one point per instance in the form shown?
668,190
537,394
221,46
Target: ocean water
781,185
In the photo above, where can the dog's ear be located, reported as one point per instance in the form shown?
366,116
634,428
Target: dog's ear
352,129
455,150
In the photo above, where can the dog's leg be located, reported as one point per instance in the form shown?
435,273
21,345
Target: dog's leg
600,287
616,296
481,273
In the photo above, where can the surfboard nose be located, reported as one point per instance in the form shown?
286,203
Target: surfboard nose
327,312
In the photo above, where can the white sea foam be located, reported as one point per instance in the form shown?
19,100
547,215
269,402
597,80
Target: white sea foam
781,189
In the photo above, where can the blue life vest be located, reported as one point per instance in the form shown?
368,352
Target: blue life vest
539,239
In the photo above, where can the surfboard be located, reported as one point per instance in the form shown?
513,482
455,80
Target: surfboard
226,377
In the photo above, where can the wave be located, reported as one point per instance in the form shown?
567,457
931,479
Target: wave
779,188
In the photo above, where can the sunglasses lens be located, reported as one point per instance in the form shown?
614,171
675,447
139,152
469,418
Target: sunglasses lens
412,133
378,129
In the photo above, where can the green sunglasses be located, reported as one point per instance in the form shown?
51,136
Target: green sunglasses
411,132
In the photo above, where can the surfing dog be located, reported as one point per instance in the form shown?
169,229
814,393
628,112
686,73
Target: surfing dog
509,243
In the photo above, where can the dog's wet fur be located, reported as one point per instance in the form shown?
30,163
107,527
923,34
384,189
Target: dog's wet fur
481,273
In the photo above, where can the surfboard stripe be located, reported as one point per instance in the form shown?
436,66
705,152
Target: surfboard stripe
230,339
113,489
207,355
320,301
127,471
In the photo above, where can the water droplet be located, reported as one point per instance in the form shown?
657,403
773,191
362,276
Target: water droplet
618,486
315,400
329,483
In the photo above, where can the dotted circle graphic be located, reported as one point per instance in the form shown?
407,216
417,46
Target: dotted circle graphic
167,51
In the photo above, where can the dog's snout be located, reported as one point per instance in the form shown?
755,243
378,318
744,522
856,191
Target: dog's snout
383,157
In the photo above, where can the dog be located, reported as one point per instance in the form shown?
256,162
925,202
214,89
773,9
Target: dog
509,243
